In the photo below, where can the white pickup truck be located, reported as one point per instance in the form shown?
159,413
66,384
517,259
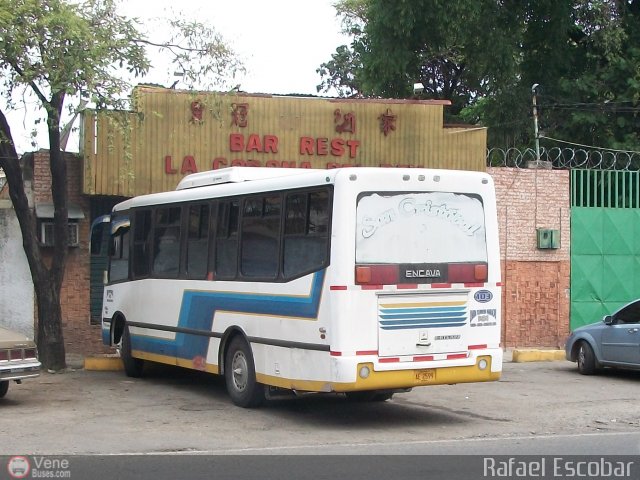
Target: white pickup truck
18,359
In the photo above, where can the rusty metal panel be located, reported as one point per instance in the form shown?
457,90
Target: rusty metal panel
172,133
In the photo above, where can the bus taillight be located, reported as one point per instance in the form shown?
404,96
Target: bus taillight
467,272
377,274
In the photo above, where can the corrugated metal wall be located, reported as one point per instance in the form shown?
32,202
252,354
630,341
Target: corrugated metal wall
605,251
151,149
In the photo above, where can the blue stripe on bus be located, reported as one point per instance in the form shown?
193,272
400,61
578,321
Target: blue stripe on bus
423,315
199,307
426,325
423,309
424,321
399,318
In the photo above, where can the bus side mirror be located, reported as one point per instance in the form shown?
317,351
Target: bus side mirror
105,277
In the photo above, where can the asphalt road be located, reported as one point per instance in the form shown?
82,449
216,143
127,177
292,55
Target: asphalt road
183,417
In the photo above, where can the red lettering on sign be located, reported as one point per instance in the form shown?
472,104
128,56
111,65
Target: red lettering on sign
306,146
218,162
168,167
353,147
236,142
189,165
221,162
321,146
254,144
270,144
342,165
337,147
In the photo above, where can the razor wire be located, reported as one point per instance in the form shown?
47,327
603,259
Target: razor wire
565,158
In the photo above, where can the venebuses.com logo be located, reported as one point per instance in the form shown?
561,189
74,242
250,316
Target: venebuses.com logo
18,467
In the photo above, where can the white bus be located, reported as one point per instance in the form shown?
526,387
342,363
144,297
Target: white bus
366,281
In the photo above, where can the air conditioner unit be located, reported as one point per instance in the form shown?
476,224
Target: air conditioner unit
46,234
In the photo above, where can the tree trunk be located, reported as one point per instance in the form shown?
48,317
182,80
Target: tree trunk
50,337
47,282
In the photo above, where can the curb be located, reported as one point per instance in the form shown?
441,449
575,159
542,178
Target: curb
112,363
532,355
105,363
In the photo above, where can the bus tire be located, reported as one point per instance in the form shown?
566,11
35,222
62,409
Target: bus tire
4,388
240,375
132,366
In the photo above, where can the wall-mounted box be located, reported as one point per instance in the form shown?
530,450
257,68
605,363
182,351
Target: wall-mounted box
548,238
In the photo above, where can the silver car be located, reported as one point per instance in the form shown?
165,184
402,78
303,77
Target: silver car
18,359
612,342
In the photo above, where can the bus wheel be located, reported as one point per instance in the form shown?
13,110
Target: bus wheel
132,366
240,375
4,387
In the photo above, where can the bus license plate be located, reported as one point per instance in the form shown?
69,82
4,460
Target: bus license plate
426,375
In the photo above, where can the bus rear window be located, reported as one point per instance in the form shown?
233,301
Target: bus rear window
420,227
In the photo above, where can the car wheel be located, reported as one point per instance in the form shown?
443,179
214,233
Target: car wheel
240,375
586,359
132,366
4,387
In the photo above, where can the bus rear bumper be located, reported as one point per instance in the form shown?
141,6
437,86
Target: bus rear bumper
485,367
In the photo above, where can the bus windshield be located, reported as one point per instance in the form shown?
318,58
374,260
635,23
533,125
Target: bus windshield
412,227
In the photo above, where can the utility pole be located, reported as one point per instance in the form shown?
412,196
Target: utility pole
536,135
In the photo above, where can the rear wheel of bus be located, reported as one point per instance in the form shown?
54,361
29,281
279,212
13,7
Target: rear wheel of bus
132,366
240,375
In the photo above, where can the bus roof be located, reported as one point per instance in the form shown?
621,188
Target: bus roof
242,180
232,181
236,175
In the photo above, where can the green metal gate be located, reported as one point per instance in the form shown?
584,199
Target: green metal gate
605,243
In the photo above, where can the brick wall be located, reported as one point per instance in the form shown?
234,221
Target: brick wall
535,295
80,336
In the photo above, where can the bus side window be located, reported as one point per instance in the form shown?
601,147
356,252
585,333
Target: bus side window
227,240
141,243
197,240
119,265
260,251
306,233
166,242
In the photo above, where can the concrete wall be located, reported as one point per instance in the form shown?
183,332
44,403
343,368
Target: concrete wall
16,299
536,282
